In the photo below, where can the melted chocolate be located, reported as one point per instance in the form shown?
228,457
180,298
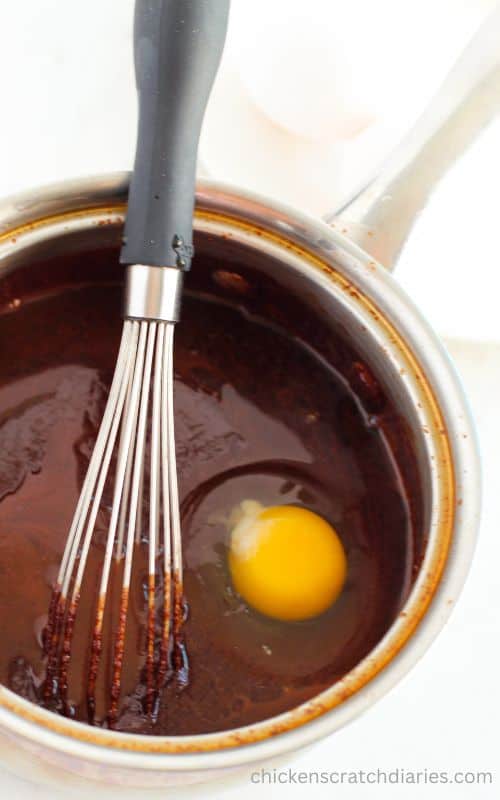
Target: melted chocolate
258,415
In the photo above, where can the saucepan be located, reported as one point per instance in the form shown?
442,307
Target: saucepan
339,266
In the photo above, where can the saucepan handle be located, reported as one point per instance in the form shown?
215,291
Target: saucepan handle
381,215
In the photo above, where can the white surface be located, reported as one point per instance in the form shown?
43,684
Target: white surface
69,109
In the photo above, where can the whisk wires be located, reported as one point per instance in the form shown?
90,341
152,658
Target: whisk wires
139,412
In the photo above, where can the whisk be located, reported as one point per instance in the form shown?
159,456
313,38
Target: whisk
177,45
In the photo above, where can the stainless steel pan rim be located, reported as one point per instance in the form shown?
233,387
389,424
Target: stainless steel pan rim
337,268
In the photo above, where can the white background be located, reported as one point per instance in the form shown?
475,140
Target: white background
310,97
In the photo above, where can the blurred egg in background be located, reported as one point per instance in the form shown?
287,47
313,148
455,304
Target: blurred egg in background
320,91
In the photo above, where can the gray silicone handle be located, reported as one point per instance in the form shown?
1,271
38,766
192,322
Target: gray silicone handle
177,46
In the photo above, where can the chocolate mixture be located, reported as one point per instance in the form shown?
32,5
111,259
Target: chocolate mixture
258,415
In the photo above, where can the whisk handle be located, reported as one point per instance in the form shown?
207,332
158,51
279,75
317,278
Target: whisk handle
177,48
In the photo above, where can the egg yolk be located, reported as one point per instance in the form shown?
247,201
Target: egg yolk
286,562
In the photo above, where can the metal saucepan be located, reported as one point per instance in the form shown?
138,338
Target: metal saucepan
336,267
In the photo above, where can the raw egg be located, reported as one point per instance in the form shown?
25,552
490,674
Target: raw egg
285,561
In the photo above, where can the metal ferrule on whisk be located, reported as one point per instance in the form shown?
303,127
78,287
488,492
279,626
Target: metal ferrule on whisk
153,293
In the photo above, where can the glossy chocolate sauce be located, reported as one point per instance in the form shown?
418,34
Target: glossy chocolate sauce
258,415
